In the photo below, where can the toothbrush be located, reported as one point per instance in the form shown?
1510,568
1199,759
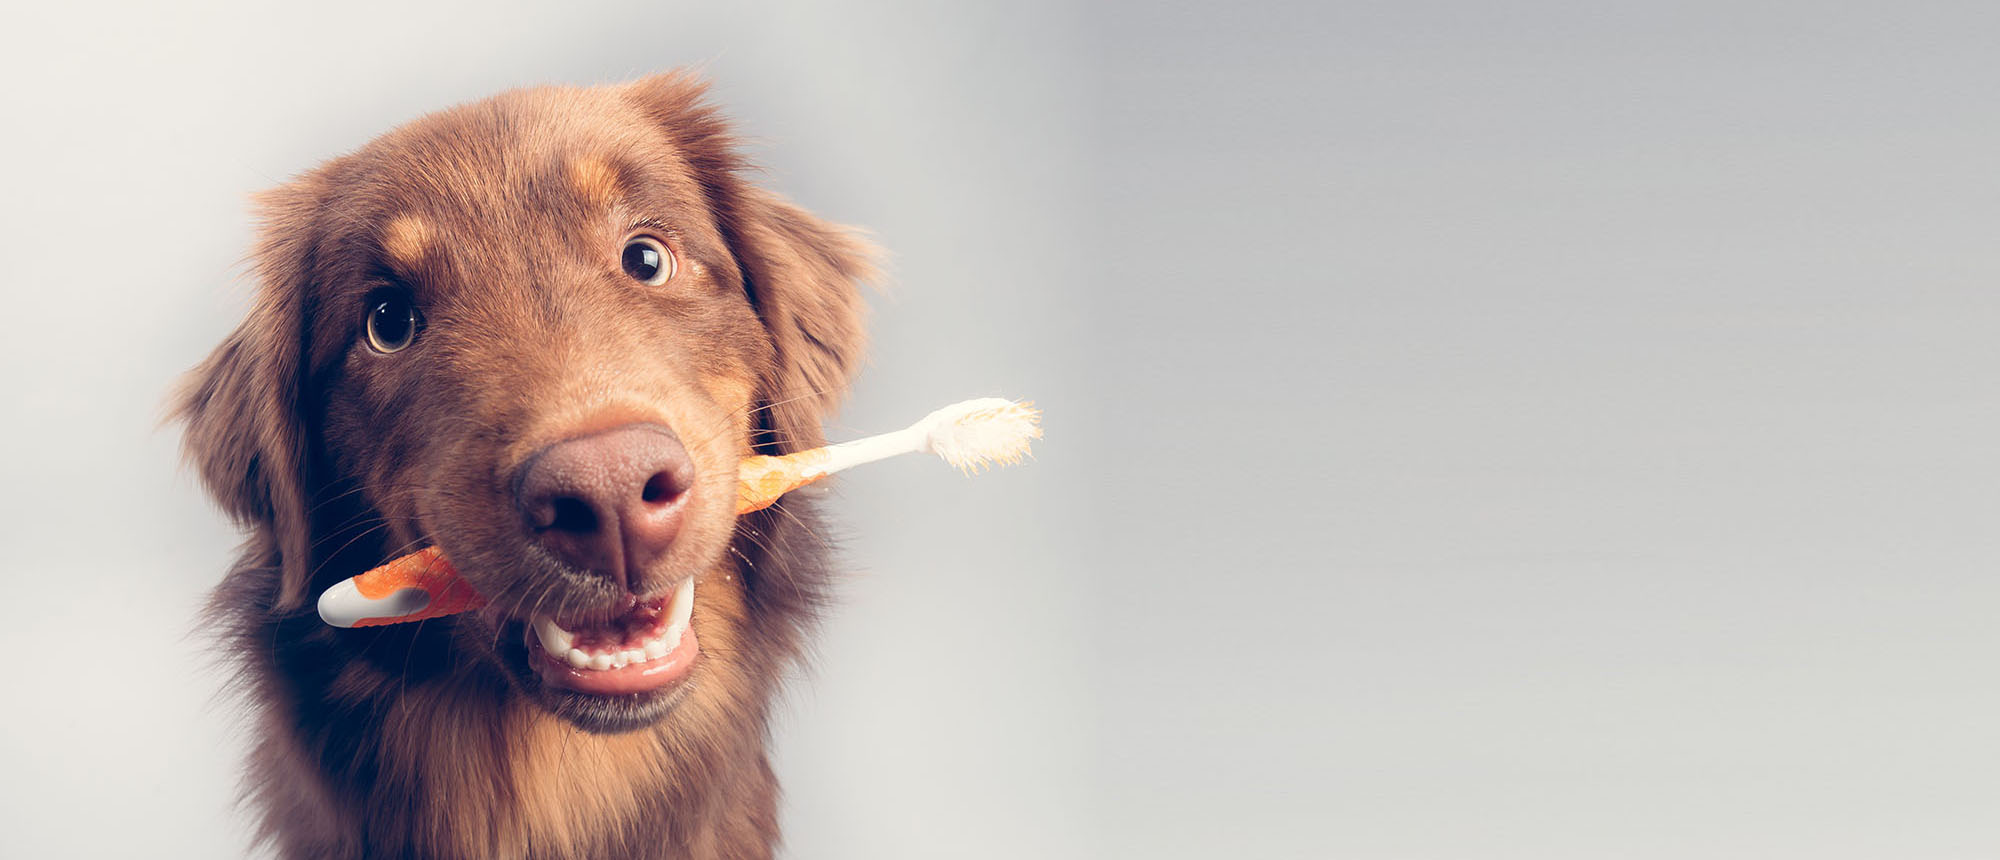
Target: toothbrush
969,435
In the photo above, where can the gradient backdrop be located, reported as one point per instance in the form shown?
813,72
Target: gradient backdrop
1538,430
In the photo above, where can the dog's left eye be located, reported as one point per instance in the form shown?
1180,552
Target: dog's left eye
647,260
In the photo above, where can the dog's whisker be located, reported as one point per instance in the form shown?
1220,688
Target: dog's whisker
754,573
364,524
805,527
351,491
410,654
751,410
314,573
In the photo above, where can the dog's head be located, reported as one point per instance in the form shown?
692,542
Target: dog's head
538,331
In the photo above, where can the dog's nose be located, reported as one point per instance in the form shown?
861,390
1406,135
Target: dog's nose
609,502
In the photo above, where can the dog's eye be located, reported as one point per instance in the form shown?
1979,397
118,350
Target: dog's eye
647,260
392,322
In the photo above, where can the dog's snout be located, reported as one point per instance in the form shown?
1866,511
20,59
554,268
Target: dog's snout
609,502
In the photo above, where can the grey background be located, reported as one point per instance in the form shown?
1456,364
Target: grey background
1474,430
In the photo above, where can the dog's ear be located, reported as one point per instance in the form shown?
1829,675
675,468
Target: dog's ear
241,406
801,273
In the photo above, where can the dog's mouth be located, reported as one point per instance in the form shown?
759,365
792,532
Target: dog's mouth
645,650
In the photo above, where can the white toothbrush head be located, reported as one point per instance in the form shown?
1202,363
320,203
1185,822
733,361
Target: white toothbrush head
974,434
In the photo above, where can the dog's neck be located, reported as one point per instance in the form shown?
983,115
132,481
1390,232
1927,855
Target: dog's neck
530,784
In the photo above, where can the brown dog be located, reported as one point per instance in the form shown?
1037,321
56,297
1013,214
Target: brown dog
538,331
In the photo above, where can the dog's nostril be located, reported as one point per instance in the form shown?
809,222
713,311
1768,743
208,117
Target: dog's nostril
571,515
660,489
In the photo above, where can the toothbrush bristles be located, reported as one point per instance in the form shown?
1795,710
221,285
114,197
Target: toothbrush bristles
979,433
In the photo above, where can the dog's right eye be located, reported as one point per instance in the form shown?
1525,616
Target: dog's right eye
392,322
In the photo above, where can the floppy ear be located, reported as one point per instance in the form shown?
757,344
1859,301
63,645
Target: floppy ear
801,273
244,433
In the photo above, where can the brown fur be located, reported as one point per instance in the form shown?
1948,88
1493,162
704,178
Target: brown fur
504,220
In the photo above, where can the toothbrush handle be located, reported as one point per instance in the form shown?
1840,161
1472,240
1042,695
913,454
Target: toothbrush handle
412,588
761,480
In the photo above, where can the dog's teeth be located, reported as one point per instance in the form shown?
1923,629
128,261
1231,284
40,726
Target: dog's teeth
555,640
678,614
683,605
561,643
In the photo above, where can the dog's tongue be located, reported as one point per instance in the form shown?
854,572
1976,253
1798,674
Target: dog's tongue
640,621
